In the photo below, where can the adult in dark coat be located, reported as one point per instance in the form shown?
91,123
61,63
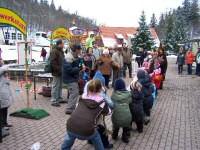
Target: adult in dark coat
163,63
56,59
140,57
71,70
180,60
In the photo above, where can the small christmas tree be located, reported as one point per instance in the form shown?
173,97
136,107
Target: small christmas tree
153,22
143,38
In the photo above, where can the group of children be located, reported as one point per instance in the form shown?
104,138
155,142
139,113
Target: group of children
127,105
132,105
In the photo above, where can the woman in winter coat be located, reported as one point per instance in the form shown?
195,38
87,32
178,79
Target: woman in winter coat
163,64
136,105
6,98
180,61
106,67
147,90
83,121
189,58
121,117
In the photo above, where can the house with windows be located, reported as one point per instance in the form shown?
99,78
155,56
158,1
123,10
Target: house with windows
10,36
113,36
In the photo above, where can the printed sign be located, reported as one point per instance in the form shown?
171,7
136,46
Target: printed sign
60,33
11,18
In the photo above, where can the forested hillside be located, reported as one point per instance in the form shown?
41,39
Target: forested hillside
44,17
179,24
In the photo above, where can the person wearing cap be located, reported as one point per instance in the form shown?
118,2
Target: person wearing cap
71,69
121,117
127,59
117,59
136,105
147,90
106,66
198,62
56,59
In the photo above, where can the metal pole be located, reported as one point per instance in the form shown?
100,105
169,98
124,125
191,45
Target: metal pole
26,72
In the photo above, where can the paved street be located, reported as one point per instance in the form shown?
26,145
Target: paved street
175,121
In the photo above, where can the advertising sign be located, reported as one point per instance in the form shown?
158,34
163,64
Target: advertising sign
11,18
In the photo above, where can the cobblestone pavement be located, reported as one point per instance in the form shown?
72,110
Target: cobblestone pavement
175,121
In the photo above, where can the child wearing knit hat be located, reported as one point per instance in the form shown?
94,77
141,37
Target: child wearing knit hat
121,117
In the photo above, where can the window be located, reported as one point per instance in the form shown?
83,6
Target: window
13,36
19,36
7,35
44,35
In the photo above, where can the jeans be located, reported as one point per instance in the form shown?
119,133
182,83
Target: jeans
56,91
180,69
71,137
106,77
140,63
198,69
4,116
189,69
116,75
73,95
129,66
44,58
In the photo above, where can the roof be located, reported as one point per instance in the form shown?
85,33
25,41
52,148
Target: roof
111,32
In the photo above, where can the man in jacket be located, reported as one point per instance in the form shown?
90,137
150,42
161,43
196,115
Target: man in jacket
56,59
189,60
117,59
71,70
140,57
198,62
127,57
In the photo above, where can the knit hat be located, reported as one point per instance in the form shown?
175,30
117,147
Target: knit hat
98,76
120,85
105,51
141,74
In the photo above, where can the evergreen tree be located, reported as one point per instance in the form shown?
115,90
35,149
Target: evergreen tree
186,10
143,37
52,6
161,27
179,34
169,39
153,22
194,17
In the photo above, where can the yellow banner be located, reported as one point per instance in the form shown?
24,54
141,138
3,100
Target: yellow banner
60,33
11,18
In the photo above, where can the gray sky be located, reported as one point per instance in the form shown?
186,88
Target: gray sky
117,12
